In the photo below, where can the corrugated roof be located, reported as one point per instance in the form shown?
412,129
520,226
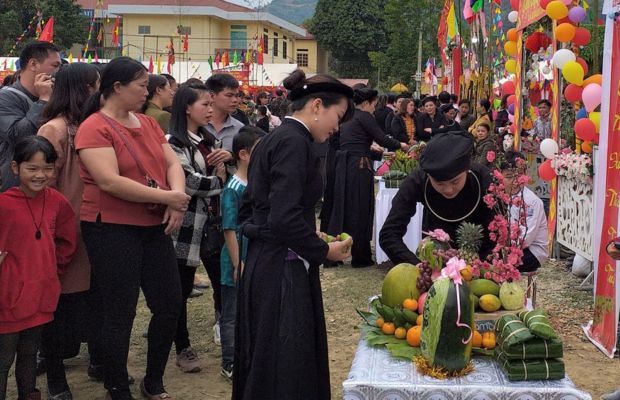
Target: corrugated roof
221,4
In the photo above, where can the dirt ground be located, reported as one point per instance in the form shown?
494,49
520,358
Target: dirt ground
345,289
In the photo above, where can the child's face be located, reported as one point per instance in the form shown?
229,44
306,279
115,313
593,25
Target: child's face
33,174
482,133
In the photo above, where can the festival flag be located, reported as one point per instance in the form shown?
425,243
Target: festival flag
248,56
185,44
4,64
90,58
442,33
70,58
115,33
100,35
151,67
476,5
210,61
225,59
96,57
47,35
38,29
171,58
12,67
218,59
259,55
235,59
468,12
159,63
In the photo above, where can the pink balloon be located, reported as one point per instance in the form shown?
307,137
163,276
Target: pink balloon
511,118
567,2
591,96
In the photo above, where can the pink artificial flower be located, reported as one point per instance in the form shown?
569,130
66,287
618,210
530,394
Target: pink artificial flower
439,234
487,275
489,200
490,156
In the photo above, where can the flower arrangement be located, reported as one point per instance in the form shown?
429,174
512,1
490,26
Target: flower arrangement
573,166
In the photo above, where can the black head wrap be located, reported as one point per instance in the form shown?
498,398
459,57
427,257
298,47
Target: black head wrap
447,154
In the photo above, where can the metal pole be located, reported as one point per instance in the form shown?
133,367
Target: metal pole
419,72
597,42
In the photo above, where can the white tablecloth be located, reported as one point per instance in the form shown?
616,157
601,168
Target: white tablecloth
383,204
375,375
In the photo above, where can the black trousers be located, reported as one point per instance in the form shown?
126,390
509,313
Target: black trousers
125,259
24,345
186,274
211,263
530,262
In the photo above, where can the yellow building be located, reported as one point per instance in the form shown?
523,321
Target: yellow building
212,26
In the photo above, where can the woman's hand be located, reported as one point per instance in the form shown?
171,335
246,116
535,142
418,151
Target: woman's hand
173,219
339,251
404,146
219,156
376,148
3,255
237,273
613,251
177,200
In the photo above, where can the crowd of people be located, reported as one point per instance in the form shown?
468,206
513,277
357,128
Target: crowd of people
116,181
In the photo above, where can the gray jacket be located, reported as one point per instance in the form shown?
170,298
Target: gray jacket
19,117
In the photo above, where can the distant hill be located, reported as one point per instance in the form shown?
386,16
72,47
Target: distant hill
295,11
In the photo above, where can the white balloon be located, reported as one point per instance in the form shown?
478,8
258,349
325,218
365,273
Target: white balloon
562,56
549,148
513,16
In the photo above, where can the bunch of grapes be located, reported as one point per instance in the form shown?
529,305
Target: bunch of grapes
445,255
424,280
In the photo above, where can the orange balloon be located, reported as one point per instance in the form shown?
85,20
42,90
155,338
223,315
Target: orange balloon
510,48
565,32
512,35
586,147
598,78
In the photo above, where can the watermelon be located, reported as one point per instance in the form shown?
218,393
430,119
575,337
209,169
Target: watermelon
442,341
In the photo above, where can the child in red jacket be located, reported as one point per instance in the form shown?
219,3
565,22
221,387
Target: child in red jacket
37,239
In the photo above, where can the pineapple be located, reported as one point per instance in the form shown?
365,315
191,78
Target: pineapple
469,239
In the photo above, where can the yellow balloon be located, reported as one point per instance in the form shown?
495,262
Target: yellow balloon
557,10
595,117
511,66
573,73
510,48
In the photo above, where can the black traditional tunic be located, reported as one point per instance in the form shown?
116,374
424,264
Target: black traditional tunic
439,212
281,341
426,121
353,190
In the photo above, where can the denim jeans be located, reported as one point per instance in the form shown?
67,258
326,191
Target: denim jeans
24,345
125,259
227,324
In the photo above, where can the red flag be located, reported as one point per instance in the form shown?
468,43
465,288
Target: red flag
47,35
259,55
225,59
151,66
96,57
218,58
171,58
468,12
185,44
115,32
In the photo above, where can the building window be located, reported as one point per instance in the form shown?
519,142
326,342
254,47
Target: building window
302,57
266,43
275,44
238,37
144,29
185,30
284,48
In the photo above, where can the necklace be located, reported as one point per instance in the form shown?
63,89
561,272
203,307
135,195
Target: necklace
37,233
457,219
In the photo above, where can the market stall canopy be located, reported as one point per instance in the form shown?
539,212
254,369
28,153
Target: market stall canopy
399,87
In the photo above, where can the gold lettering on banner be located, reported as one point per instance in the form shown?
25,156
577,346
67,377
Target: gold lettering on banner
611,274
614,160
616,127
613,198
612,232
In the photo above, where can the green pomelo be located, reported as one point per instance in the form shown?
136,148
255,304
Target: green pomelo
480,287
512,296
400,284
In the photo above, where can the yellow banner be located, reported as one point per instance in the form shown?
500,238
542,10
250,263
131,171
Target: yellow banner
530,11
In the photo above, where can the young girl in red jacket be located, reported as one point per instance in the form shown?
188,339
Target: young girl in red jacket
37,239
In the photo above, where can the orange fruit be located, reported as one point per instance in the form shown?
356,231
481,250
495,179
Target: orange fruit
388,328
477,339
410,304
488,340
419,320
400,333
467,274
379,322
413,336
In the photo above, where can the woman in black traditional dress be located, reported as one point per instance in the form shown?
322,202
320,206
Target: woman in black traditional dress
281,341
451,189
354,206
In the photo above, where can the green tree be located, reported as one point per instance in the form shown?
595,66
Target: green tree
70,24
349,29
403,21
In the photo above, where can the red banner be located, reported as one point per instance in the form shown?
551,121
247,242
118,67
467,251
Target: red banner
555,135
602,330
518,93
530,11
242,76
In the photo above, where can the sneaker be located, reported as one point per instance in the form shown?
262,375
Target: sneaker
195,293
95,372
66,395
201,281
216,334
187,360
612,396
41,364
227,371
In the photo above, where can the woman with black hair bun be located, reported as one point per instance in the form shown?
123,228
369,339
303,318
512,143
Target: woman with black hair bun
158,100
281,340
353,183
483,109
